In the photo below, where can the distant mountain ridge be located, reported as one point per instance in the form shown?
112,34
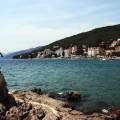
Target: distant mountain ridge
11,55
91,38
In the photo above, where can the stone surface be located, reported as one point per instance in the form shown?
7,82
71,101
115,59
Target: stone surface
37,106
3,88
2,112
74,95
115,112
37,90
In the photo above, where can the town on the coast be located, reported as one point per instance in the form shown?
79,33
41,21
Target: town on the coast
106,50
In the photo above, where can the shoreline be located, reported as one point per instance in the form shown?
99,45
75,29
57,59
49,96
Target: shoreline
59,108
72,58
39,103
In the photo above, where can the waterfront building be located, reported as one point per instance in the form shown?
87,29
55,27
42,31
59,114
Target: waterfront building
108,53
93,51
67,53
74,50
113,44
39,55
59,52
47,52
117,48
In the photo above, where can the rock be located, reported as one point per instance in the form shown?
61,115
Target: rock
52,95
56,95
114,113
97,118
2,112
95,115
3,88
50,116
2,109
36,90
5,98
74,112
73,96
18,112
10,101
13,114
36,114
25,107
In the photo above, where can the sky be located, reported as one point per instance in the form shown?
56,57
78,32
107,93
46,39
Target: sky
30,23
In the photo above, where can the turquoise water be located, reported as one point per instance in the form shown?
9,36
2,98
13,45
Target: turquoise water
98,81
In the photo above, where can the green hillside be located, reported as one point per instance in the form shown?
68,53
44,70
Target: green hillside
91,39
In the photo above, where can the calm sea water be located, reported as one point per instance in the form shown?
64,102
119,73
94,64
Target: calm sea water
98,81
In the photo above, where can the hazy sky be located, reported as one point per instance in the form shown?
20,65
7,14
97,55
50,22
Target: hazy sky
30,23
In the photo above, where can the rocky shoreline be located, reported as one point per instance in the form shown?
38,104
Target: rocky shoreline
34,105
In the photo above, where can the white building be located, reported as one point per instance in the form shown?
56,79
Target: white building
39,55
74,50
93,51
115,42
67,53
47,52
59,52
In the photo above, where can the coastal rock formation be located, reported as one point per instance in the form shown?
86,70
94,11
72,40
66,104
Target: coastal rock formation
35,106
36,90
74,95
3,88
2,112
5,99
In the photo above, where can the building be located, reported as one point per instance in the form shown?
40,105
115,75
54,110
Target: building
74,50
67,53
47,52
94,51
117,48
60,52
115,43
39,55
108,53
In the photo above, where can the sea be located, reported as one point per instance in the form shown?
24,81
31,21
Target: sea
98,81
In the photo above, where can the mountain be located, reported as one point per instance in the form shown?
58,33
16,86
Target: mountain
93,38
11,55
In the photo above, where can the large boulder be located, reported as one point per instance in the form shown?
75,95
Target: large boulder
6,99
3,88
2,112
74,96
37,90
